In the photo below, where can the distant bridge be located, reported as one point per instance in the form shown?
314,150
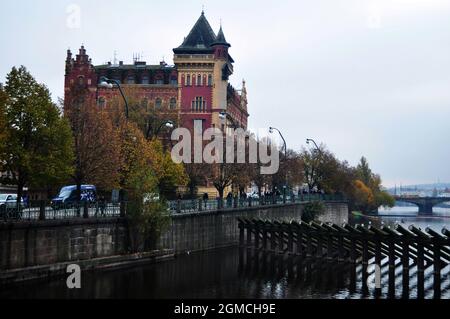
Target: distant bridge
425,204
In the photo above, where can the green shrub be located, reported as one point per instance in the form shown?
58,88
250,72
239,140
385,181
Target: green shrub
312,210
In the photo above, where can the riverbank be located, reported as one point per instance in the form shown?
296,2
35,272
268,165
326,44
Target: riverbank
15,276
39,249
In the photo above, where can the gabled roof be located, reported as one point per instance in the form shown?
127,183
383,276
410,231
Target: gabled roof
200,37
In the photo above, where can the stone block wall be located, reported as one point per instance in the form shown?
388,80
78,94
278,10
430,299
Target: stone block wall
42,243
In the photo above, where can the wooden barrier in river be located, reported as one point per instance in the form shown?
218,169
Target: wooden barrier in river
387,247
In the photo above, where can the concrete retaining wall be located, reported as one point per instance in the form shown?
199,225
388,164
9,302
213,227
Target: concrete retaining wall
29,244
209,230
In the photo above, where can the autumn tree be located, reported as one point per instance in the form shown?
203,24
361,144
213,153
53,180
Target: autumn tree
146,169
223,172
3,120
38,148
96,142
146,113
196,173
291,172
373,183
320,168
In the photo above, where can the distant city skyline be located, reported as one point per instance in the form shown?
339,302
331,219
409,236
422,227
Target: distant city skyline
365,77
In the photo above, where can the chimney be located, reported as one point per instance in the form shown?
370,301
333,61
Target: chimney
121,63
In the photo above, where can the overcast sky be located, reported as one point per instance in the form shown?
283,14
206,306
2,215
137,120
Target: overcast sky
365,77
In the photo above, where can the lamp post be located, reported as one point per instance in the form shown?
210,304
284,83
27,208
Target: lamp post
225,115
309,140
109,84
271,130
319,152
168,124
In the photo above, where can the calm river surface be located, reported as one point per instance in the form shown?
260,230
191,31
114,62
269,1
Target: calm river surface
221,274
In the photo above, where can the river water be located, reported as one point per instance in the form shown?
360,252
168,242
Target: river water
224,274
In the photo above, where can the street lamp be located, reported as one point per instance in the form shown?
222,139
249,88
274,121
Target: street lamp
109,84
319,152
168,124
271,130
225,115
309,140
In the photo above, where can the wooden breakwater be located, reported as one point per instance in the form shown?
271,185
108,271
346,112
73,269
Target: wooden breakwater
417,253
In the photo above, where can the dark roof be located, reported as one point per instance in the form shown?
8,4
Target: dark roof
133,67
200,38
220,39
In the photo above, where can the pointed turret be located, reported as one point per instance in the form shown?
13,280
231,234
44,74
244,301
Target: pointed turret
200,38
220,39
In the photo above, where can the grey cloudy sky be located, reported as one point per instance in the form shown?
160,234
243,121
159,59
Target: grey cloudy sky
365,77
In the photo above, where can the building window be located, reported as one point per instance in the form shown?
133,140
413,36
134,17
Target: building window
159,81
130,80
101,102
188,80
210,80
173,103
81,80
145,79
144,104
199,80
199,105
158,103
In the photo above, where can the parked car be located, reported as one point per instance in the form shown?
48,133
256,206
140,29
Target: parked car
68,196
253,195
8,205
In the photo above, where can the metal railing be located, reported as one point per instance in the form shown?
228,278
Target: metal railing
199,205
44,210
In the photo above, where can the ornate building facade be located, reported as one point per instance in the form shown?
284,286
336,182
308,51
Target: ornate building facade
196,88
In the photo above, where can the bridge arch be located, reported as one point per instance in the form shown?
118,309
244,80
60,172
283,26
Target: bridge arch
425,204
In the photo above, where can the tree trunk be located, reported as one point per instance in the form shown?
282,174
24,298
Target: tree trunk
78,197
20,186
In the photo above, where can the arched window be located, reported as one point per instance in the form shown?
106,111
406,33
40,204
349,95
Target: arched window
144,104
210,80
81,80
188,80
101,102
158,103
173,103
199,80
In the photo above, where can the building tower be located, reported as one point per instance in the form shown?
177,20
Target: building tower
80,78
204,67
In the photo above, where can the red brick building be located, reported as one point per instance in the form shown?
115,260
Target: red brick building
196,88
